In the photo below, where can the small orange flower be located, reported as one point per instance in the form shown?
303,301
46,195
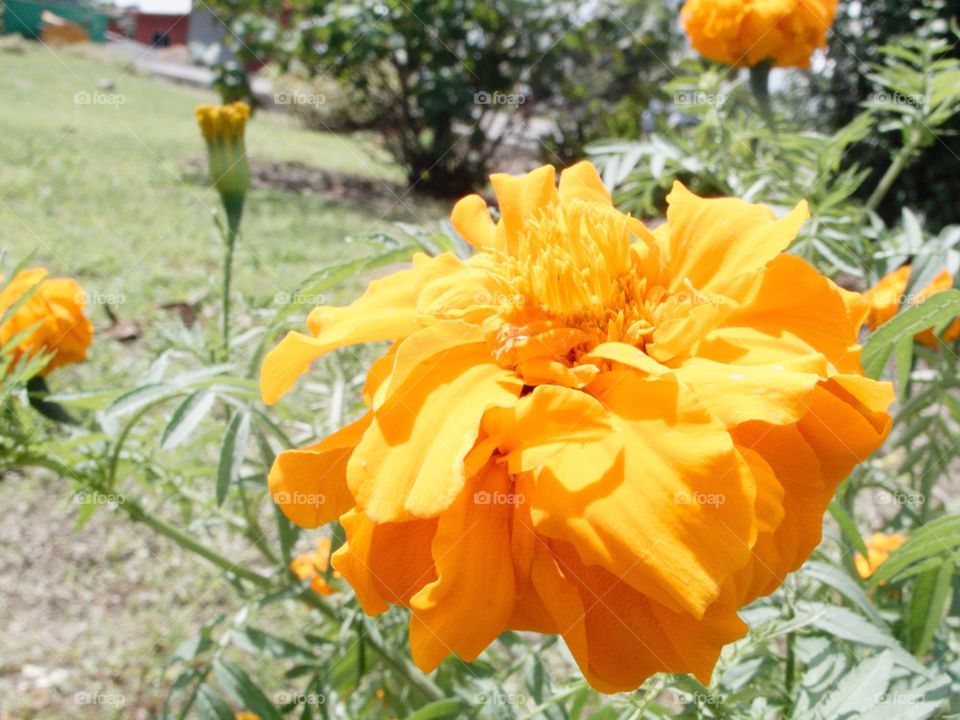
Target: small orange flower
313,566
748,32
888,295
879,547
588,428
55,309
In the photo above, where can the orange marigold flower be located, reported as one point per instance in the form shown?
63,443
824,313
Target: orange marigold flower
313,566
886,297
55,310
588,428
879,547
748,32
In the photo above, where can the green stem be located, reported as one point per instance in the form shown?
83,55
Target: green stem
138,514
233,205
399,664
760,85
891,175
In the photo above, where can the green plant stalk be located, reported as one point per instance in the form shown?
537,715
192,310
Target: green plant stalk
898,165
233,205
401,665
760,85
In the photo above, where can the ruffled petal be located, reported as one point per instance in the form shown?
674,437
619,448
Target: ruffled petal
386,311
582,182
788,473
674,514
713,240
788,310
385,563
520,198
310,484
471,218
630,636
778,394
472,599
556,428
410,463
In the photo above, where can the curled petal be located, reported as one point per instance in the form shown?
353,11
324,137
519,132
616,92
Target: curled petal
709,241
310,485
674,513
410,463
385,563
472,598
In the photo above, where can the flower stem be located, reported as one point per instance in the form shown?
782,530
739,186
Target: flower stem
760,85
233,205
891,175
417,679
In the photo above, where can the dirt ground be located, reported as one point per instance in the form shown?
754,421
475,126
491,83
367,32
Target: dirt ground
88,617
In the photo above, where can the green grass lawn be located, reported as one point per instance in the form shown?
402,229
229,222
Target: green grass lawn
115,193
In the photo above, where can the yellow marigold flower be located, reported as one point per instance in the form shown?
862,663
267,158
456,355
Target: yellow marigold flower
55,310
588,428
886,297
748,32
879,547
313,566
246,715
222,127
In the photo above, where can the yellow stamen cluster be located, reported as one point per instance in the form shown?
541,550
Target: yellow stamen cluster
572,262
223,121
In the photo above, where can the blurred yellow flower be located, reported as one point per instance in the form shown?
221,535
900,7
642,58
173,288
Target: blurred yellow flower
879,547
55,310
889,294
246,715
588,428
223,127
313,566
749,32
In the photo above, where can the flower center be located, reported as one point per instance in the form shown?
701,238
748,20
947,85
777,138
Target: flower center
574,263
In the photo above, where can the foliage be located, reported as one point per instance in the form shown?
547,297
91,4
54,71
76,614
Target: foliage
433,76
861,34
604,76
